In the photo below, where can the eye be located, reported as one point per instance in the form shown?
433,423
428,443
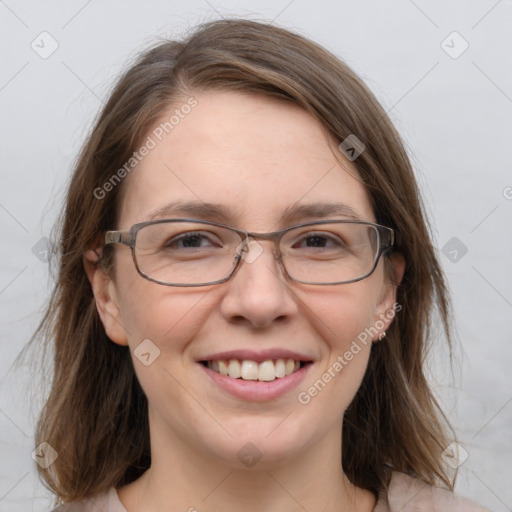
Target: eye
192,240
319,240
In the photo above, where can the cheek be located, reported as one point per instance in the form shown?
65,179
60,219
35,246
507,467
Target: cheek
156,312
162,325
343,315
344,323
167,317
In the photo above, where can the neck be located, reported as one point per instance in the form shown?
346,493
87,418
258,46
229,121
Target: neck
182,479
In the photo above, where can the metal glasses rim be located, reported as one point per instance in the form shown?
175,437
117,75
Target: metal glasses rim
128,237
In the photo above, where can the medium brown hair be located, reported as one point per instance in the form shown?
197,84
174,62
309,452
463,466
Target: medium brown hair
96,415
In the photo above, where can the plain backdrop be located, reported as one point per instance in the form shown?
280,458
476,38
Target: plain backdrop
443,71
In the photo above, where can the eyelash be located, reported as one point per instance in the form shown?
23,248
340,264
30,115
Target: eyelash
302,237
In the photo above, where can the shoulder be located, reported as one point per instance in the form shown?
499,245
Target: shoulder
106,502
407,494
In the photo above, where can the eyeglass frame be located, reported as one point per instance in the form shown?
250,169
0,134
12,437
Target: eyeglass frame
128,238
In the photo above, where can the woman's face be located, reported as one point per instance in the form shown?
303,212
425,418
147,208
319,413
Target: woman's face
256,157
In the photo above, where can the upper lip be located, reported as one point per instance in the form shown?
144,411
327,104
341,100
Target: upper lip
257,355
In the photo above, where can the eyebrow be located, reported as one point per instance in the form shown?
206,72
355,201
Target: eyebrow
223,213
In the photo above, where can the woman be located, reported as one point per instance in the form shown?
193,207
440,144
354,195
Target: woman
245,290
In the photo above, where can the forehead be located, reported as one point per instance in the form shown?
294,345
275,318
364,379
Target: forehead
255,157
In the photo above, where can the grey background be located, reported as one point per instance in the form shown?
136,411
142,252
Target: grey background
455,115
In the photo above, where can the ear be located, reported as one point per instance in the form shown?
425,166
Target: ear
105,294
386,306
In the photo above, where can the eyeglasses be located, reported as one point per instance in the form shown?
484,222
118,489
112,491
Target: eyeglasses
190,252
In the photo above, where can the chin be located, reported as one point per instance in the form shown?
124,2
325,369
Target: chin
259,447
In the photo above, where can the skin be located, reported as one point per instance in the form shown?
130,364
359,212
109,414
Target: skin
257,156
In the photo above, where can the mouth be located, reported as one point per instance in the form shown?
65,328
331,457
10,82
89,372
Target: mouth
256,375
249,370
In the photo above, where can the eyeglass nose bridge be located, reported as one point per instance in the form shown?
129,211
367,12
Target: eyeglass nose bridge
243,251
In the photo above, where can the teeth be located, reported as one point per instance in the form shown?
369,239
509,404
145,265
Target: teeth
223,368
251,370
280,368
267,371
234,369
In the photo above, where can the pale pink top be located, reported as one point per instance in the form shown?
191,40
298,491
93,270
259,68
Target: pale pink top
405,494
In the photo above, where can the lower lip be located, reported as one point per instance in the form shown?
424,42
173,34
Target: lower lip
255,390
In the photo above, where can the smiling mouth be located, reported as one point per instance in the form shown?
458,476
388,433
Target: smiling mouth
265,371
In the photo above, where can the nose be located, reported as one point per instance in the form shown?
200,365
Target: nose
258,293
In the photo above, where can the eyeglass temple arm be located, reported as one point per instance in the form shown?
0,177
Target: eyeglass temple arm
391,237
117,237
